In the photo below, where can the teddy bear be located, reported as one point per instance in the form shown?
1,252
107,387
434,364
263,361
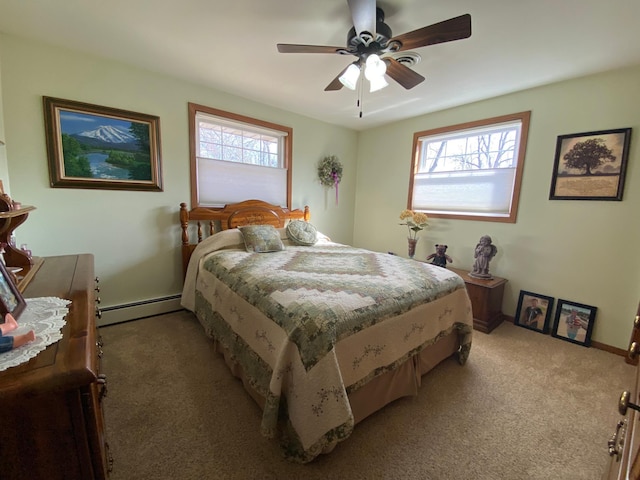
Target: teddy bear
440,258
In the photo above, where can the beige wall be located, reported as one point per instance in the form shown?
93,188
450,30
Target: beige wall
583,251
135,236
4,169
576,250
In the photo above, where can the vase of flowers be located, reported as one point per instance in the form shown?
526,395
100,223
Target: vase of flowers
415,222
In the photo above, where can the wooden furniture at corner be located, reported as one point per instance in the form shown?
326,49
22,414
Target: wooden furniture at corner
624,444
51,425
9,221
486,300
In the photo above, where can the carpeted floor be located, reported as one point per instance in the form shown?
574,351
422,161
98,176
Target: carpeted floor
525,406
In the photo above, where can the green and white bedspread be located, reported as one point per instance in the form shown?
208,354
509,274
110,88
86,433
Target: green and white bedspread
308,325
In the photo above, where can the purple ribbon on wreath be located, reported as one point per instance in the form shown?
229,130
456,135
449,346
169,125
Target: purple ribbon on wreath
334,174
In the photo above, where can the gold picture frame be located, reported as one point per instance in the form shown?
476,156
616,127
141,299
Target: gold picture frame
90,146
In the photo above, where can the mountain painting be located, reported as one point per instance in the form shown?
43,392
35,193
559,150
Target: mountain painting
100,147
94,146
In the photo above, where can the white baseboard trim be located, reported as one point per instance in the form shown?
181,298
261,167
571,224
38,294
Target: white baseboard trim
142,309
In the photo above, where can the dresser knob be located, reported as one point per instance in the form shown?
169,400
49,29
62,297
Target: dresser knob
634,348
636,322
98,301
97,289
624,403
98,313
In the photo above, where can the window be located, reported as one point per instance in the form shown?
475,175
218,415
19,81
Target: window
470,171
236,158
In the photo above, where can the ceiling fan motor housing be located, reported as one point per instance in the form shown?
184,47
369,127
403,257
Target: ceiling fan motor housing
365,44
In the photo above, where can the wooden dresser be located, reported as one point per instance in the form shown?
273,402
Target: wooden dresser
51,421
624,444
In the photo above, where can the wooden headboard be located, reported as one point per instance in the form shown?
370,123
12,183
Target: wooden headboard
249,212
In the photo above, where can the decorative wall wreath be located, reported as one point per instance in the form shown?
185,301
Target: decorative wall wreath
330,172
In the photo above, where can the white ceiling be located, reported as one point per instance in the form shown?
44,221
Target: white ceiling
230,45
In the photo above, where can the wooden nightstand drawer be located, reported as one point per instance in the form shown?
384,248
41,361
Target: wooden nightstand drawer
486,300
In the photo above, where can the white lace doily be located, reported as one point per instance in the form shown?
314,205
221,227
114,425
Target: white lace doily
45,316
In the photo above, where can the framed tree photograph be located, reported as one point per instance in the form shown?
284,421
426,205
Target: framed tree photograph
574,322
89,146
534,311
590,166
11,300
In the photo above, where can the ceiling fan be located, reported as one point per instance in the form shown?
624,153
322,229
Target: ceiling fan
370,40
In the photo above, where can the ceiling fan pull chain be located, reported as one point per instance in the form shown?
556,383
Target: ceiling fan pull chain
359,101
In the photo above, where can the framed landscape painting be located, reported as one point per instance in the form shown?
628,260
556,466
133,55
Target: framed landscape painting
574,322
89,146
534,311
590,166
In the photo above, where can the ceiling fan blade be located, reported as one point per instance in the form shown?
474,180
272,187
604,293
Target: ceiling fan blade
363,13
402,74
292,48
453,29
335,84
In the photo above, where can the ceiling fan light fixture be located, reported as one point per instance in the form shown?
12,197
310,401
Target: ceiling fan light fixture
374,67
350,76
377,83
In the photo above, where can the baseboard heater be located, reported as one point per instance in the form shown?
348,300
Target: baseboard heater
137,310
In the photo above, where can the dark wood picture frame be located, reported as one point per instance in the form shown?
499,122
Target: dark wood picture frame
534,311
11,300
574,327
90,146
591,165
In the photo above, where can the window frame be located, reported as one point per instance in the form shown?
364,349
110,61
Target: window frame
287,159
524,118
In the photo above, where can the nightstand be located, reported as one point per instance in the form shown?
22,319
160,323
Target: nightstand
486,300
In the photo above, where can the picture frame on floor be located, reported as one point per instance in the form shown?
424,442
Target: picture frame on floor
11,300
534,311
590,165
95,147
574,322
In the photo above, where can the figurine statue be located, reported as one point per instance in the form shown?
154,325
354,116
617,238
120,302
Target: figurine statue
484,252
8,342
440,258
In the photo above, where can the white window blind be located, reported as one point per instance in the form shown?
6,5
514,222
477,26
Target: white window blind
466,192
228,182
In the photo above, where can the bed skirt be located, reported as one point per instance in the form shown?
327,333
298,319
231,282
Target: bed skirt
401,382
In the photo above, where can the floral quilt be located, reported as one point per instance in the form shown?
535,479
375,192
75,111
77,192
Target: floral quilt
311,324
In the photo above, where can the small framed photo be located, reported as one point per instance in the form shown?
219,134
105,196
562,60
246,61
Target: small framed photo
574,322
591,165
534,311
91,146
11,300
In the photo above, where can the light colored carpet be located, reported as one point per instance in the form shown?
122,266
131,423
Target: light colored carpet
525,406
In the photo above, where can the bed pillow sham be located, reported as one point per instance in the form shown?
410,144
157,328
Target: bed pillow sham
302,233
261,238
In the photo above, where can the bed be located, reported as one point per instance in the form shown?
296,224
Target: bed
321,334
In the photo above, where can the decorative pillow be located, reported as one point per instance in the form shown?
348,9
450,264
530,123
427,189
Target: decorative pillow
261,238
302,233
